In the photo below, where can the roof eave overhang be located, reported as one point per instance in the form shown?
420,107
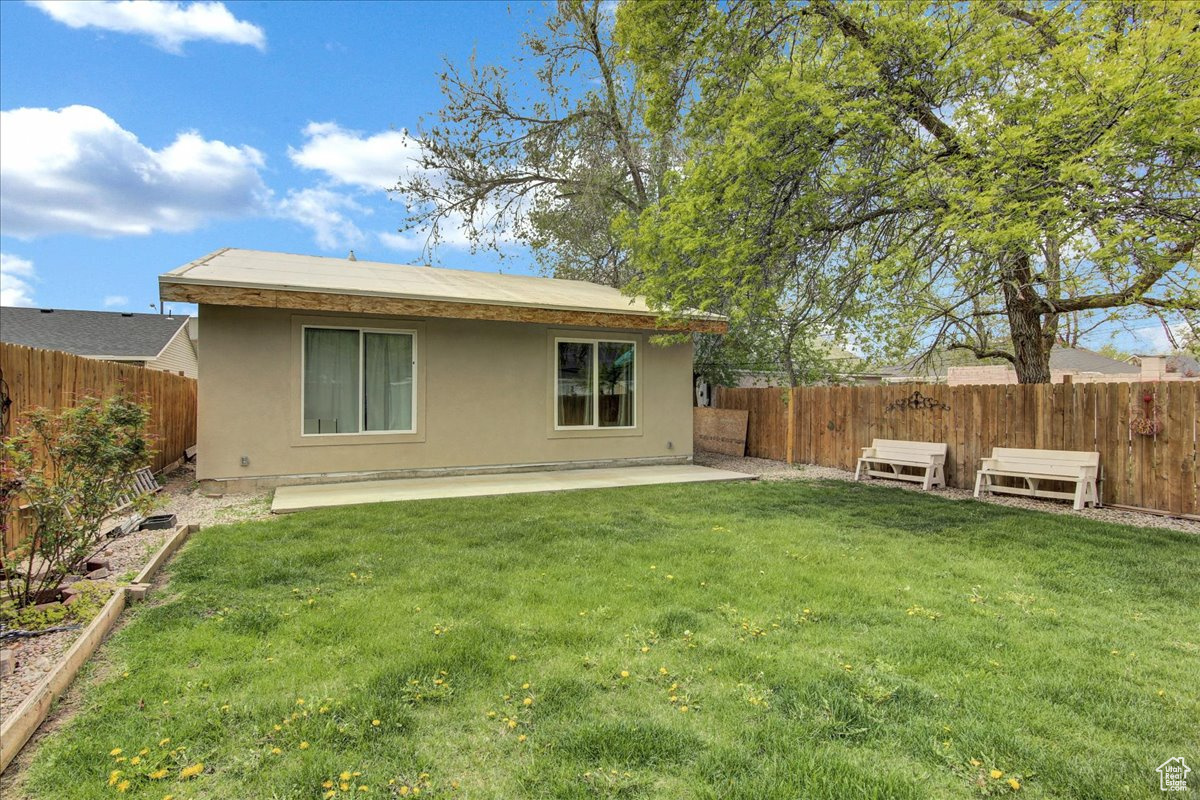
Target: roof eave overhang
259,296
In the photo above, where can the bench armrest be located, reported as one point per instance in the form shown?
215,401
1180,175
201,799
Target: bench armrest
984,463
868,452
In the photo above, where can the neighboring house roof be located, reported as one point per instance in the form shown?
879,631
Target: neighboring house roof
1071,359
107,334
1082,360
296,281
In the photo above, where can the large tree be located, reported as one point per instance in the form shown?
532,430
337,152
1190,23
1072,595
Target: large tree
547,151
554,152
932,174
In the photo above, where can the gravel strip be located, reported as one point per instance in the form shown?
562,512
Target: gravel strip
33,658
768,470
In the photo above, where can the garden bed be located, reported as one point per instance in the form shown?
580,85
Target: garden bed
33,658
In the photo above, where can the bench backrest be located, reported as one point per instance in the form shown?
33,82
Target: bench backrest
908,451
1047,462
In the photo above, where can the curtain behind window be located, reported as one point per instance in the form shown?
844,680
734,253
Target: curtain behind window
574,384
330,381
388,382
615,363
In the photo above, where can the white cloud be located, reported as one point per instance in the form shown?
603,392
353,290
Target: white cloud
116,301
351,158
325,212
16,273
169,24
75,170
1153,339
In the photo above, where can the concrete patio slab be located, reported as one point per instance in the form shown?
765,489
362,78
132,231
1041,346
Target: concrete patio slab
301,498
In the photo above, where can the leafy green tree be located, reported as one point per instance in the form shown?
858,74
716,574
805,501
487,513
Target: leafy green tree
70,468
548,152
924,174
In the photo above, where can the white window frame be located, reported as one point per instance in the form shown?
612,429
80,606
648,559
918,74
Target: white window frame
361,377
595,343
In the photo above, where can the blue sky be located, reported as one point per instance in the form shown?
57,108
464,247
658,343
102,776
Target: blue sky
136,140
136,137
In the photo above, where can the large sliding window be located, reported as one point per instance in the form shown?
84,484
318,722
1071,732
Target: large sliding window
594,383
358,381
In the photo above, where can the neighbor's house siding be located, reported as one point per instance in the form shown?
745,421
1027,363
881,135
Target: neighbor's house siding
484,399
178,356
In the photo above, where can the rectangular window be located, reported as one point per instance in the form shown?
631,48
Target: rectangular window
594,383
358,381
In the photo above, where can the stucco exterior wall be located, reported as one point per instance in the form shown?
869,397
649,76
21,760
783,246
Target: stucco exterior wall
484,398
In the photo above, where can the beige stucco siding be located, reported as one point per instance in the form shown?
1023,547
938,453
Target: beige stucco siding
484,398
177,356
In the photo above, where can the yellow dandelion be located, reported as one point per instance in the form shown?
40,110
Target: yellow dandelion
512,723
116,751
345,776
278,727
275,751
624,673
329,794
683,709
135,761
363,788
375,722
528,701
168,797
304,745
975,762
344,786
123,786
403,791
159,774
662,670
1014,783
512,656
524,685
299,701
143,751
521,738
645,649
322,709
113,777
192,771
997,773
164,742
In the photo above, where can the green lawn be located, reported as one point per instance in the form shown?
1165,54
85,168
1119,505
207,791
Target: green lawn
816,640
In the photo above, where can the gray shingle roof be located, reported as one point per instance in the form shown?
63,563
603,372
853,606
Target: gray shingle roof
90,333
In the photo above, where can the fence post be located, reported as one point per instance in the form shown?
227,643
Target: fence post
791,425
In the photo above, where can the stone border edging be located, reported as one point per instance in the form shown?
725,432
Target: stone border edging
28,717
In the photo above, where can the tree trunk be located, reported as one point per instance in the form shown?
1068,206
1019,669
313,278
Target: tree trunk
1031,345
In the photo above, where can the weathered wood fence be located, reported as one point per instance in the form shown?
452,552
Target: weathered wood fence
829,425
56,380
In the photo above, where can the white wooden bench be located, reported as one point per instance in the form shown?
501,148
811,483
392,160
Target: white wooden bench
1034,466
895,454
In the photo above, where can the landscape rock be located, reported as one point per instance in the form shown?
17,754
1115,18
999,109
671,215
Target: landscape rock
98,574
6,663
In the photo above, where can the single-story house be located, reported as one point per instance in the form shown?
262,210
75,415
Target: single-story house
154,341
317,369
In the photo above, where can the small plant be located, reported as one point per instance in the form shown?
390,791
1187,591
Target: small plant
72,468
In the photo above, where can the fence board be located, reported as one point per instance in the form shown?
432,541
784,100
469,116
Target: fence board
56,380
830,424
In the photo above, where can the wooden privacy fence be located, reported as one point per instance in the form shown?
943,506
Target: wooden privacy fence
829,426
56,380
